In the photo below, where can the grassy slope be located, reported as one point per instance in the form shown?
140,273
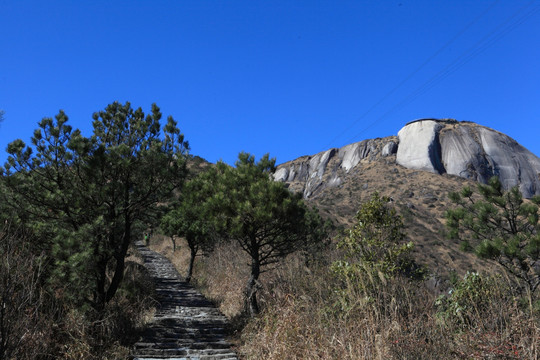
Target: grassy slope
420,197
400,321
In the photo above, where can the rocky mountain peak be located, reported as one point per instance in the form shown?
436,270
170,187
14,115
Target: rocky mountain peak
439,146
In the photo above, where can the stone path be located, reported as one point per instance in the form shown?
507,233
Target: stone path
186,325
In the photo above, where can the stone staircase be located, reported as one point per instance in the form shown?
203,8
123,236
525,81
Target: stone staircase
186,325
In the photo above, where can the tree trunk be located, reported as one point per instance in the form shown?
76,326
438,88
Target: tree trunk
100,294
101,279
120,255
252,287
193,252
118,274
120,265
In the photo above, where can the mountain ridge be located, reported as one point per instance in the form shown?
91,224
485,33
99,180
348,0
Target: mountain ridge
461,148
337,181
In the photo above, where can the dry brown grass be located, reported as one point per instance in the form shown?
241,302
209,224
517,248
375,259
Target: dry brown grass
39,322
303,315
303,318
164,245
223,277
220,276
420,197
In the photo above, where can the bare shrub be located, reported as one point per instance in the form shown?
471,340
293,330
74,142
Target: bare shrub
38,324
25,321
222,275
393,318
111,333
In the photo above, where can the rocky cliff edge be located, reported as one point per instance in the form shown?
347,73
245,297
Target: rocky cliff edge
464,149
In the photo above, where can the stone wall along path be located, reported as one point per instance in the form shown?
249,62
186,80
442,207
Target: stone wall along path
186,325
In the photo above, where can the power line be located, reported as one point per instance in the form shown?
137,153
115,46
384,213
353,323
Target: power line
408,77
479,47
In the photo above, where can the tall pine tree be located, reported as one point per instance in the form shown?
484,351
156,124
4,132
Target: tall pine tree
263,216
87,198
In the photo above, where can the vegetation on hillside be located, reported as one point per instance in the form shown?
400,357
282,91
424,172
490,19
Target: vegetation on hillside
72,206
363,299
79,203
244,205
192,217
500,226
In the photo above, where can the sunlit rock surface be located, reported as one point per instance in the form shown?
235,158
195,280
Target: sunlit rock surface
419,146
464,149
470,151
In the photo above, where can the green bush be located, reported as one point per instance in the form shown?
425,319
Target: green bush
469,300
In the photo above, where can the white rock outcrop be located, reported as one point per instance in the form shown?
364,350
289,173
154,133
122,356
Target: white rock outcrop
313,171
419,146
463,155
464,149
470,151
281,174
389,149
511,162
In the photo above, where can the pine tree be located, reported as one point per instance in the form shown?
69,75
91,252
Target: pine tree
501,226
265,218
88,198
191,217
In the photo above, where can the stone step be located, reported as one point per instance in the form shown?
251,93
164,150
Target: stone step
186,325
224,356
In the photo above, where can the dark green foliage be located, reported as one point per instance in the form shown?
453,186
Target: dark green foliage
192,218
377,238
319,237
469,299
375,253
87,198
267,220
499,225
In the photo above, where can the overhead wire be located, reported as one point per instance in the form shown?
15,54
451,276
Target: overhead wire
488,40
463,59
414,72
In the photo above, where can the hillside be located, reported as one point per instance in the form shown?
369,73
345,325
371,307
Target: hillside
421,198
332,309
432,153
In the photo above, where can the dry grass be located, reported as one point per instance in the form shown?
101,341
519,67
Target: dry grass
308,314
304,316
220,276
38,322
420,197
304,319
223,277
111,334
164,245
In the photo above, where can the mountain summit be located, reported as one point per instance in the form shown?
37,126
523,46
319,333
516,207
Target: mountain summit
440,146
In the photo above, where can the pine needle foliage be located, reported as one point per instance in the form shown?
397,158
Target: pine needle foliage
88,198
262,216
377,239
502,226
191,218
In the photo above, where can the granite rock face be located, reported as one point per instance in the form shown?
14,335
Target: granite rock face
311,174
419,146
470,151
464,149
389,149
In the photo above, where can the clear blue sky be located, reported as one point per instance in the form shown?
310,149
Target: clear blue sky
287,77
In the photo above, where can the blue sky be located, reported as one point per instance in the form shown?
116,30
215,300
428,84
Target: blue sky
287,77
